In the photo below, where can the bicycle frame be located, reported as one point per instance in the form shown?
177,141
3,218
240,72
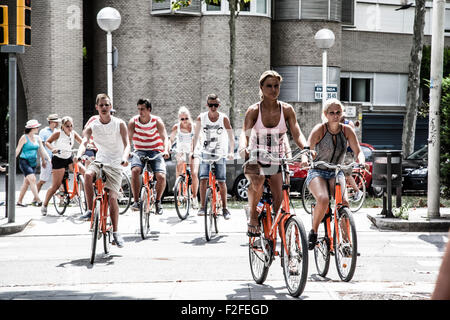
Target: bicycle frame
212,184
147,182
74,192
186,172
102,195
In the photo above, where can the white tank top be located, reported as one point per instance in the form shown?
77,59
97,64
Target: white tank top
214,135
184,140
64,144
108,141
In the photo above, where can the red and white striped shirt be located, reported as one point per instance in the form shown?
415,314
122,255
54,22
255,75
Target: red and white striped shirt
146,136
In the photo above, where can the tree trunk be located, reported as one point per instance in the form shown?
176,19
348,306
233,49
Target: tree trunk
413,92
232,24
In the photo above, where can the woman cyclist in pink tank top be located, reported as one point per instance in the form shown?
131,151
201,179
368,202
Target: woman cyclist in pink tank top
265,128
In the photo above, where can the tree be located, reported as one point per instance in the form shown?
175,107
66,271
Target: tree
413,91
234,12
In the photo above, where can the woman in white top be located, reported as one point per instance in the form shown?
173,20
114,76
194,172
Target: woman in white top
183,132
61,144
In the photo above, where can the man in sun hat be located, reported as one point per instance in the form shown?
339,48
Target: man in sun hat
46,173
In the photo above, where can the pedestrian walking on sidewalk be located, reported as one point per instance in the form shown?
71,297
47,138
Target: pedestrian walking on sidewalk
27,150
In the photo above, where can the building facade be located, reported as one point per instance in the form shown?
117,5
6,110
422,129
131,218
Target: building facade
178,58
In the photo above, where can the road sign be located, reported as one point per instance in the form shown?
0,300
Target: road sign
332,91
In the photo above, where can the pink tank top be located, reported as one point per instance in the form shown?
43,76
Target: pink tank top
270,139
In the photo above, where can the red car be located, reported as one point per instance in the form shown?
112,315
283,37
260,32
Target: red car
298,175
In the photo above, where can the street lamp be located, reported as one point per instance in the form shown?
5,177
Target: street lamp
108,19
324,40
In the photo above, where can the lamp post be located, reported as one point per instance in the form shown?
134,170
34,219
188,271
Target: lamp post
324,40
108,19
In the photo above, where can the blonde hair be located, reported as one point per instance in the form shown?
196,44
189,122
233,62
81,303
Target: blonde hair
66,119
264,76
185,110
101,96
328,104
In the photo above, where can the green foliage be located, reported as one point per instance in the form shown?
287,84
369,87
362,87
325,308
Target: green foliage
445,136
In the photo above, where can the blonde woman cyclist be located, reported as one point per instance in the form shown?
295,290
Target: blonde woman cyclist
61,144
183,133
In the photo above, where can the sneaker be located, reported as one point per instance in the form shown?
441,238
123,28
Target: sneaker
118,240
226,214
87,215
312,239
358,196
195,203
136,206
201,212
158,208
44,210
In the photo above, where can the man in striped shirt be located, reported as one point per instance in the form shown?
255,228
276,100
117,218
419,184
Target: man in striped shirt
149,137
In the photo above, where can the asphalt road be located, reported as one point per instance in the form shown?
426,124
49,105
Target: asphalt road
50,260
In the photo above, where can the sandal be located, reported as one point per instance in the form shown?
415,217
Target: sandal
21,205
37,203
253,234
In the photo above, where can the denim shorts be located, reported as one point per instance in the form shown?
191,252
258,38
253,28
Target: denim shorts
157,165
221,172
325,174
25,167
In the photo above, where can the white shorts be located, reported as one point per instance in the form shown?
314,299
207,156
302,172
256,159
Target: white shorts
46,173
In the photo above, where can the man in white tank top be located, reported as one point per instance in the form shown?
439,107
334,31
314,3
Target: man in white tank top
217,139
110,136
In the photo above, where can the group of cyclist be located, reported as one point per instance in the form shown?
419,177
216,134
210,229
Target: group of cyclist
265,128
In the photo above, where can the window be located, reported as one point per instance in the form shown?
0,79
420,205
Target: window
253,7
348,12
361,89
214,7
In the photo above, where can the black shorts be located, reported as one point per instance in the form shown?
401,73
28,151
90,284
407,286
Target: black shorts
58,163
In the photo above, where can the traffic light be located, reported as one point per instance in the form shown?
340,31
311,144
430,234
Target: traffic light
24,22
4,25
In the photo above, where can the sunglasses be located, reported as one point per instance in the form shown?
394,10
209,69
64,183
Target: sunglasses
104,105
334,113
182,119
213,105
68,126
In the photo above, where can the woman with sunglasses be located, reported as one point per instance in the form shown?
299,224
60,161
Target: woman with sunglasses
61,144
329,139
183,133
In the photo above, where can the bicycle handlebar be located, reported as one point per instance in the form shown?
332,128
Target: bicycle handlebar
331,166
215,159
272,158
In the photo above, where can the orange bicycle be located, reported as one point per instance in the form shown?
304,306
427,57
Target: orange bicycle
182,191
294,245
343,243
100,219
61,199
213,201
147,194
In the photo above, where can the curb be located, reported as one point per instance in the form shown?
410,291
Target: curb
10,228
436,225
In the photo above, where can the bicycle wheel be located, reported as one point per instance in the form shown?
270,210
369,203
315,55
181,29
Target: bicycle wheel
209,214
81,197
124,198
95,230
60,201
107,236
144,213
345,245
356,201
307,199
295,260
259,257
182,198
322,250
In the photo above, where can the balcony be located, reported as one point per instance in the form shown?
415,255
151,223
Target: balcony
164,8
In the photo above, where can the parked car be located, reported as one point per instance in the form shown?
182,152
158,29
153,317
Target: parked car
237,184
415,170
